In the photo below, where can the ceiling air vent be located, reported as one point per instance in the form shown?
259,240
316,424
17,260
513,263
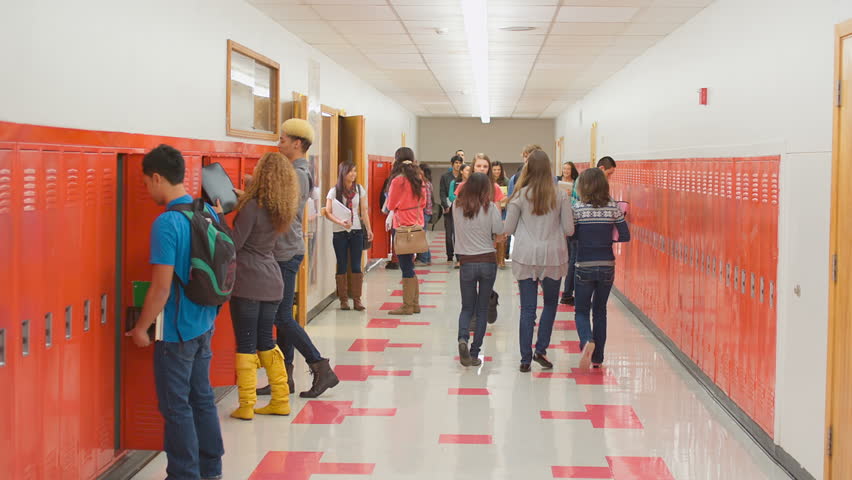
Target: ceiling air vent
517,28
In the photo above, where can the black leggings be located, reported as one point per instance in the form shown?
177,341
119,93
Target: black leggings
252,320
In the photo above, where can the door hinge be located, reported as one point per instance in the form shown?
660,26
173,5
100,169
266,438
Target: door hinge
839,93
834,267
829,442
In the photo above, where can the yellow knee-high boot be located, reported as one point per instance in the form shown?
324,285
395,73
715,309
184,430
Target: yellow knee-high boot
273,362
247,365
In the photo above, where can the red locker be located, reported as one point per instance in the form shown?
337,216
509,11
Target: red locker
103,324
10,211
380,168
26,362
52,315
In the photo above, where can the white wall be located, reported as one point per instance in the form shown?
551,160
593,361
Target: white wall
158,67
768,65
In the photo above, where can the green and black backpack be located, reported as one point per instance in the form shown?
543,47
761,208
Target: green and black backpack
213,256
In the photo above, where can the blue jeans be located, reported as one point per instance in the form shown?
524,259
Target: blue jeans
291,335
193,440
427,255
348,248
476,280
406,264
252,320
529,304
569,280
592,292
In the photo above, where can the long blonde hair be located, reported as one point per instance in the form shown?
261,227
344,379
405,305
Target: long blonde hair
275,187
537,176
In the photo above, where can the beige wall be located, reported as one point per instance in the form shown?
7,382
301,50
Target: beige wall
502,139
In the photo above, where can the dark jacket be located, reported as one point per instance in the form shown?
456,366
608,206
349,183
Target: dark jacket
444,190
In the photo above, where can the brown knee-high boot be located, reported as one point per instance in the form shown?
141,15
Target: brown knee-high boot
409,290
342,291
356,284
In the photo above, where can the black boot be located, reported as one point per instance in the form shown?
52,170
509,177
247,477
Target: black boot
267,390
324,378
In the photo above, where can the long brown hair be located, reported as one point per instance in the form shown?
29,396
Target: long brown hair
539,178
405,157
476,195
342,171
593,187
501,180
275,187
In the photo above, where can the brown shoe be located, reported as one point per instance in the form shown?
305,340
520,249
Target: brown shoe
342,291
356,284
324,378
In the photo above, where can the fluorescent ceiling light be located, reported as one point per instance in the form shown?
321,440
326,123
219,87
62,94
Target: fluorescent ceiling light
476,30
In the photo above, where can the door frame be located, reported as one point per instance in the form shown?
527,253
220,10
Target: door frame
842,31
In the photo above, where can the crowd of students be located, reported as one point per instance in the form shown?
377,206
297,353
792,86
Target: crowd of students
556,236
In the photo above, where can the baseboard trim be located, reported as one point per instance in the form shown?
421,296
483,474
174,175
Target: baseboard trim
778,454
322,305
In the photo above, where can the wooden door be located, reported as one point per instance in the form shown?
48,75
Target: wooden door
352,144
593,143
838,452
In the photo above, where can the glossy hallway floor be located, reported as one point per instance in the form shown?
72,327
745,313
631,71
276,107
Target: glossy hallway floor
406,409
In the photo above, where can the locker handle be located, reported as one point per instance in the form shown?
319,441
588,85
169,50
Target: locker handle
86,313
104,305
25,338
752,285
2,347
68,314
48,330
762,289
771,294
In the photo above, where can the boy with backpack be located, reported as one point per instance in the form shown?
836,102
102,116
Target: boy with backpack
193,439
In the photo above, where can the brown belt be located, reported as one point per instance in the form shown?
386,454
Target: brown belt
490,257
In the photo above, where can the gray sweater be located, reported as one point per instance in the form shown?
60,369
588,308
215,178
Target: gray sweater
292,242
540,239
474,236
258,275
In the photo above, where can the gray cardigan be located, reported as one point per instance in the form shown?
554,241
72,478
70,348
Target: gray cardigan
539,239
258,275
474,236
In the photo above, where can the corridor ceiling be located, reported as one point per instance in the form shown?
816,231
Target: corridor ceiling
415,51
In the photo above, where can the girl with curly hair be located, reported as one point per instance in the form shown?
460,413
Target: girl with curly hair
264,211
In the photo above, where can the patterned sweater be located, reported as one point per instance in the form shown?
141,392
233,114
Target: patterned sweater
594,233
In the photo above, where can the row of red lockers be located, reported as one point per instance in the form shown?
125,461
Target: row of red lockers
58,322
702,266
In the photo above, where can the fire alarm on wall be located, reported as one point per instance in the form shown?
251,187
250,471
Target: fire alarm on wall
702,96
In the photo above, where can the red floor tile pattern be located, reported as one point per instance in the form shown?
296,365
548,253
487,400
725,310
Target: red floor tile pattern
466,439
469,391
360,373
378,345
484,359
620,468
601,416
398,293
393,323
582,377
302,465
422,281
319,412
394,305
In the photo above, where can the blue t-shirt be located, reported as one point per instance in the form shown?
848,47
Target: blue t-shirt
170,242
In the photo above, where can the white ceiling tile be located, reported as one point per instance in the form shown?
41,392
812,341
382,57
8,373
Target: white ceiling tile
424,2
290,12
608,3
438,49
526,2
522,40
498,25
597,14
355,12
323,39
573,50
300,27
429,12
381,48
566,59
514,49
526,115
520,13
667,14
377,27
590,28
651,28
681,3
370,39
261,3
344,2
396,58
434,39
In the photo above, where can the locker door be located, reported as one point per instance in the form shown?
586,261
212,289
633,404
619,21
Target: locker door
10,211
29,441
141,425
103,323
379,172
71,427
222,369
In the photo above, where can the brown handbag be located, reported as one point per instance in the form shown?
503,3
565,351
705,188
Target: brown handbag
411,239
